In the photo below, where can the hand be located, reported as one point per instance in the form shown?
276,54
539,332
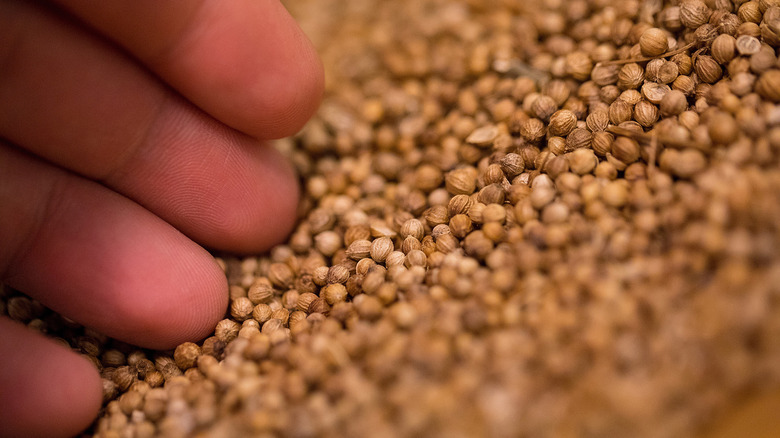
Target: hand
129,131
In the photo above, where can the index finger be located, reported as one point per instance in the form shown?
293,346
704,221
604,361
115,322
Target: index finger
245,62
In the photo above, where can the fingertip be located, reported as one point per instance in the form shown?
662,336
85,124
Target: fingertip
260,209
47,390
110,264
287,98
174,301
257,70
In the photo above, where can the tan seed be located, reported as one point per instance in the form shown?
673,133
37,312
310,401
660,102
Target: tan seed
381,248
653,42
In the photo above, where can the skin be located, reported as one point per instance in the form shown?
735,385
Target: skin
132,136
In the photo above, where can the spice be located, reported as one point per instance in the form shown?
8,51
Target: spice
653,42
504,208
186,355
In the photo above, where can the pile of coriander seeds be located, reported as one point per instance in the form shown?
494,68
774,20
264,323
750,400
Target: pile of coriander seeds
519,219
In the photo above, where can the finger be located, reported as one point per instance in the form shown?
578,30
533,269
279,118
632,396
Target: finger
244,61
47,390
102,260
106,118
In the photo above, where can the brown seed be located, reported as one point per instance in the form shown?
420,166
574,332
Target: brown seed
543,107
304,300
241,308
722,128
604,74
512,165
186,355
494,213
493,174
694,13
577,139
768,85
597,121
227,329
381,248
684,63
556,166
625,149
398,258
320,219
143,367
124,376
747,45
707,69
532,130
602,143
113,358
427,177
562,122
410,243
645,113
582,161
630,76
457,205
334,293
609,93
447,243
749,28
494,231
436,215
619,112
688,120
269,327
110,390
327,243
615,193
749,12
260,291
673,103
667,73
338,273
609,169
281,275
723,47
684,84
483,136
262,313
689,162
654,91
461,181
763,60
460,225
491,194
579,66
653,42
288,301
556,145
557,89
359,249
368,307
670,17
357,232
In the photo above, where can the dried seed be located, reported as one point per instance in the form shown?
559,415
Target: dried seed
653,42
707,69
483,136
186,355
694,13
562,122
381,248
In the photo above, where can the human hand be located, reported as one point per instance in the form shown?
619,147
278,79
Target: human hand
129,130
